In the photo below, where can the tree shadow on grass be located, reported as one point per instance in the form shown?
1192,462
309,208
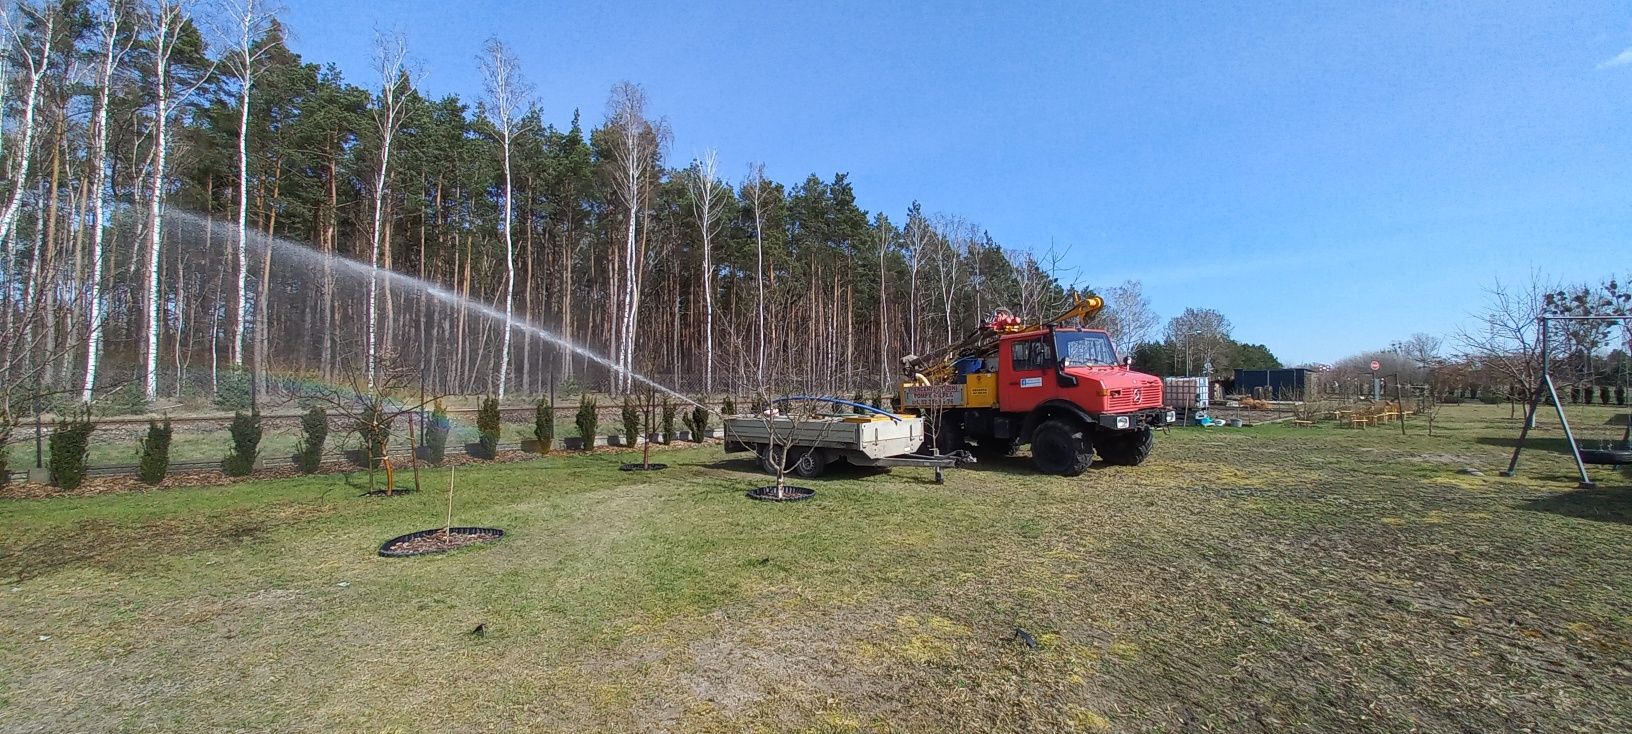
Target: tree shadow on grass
1604,504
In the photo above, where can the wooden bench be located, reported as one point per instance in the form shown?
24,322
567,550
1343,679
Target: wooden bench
1303,424
1359,422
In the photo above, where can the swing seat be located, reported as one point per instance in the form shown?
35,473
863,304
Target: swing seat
1619,453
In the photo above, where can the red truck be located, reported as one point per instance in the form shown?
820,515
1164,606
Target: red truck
1061,389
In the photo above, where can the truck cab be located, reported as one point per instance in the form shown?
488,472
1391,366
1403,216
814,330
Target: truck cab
1077,365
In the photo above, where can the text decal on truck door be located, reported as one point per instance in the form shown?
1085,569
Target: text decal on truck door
1031,382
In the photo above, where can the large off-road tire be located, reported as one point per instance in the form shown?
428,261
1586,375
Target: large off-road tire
1062,447
1126,448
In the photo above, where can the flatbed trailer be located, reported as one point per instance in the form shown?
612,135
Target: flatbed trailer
807,445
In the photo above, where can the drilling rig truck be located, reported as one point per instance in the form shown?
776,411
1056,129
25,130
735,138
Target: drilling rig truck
1057,386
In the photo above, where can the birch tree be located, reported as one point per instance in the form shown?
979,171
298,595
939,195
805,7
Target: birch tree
918,238
250,20
706,189
35,64
506,89
113,43
168,29
883,226
391,61
753,187
635,152
955,236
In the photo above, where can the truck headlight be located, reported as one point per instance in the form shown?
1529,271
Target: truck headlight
1122,422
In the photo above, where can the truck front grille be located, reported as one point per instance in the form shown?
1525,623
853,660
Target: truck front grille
1122,400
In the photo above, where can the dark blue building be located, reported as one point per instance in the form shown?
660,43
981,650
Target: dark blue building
1282,384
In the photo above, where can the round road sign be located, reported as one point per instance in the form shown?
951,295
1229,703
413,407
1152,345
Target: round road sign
1375,365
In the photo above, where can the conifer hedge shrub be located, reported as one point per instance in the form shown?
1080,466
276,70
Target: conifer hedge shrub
586,420
314,432
436,435
697,422
246,444
154,459
631,421
488,425
544,424
70,449
668,422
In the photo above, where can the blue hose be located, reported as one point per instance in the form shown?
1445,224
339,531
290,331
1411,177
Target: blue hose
841,401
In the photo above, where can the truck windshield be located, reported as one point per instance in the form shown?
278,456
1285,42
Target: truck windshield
1083,348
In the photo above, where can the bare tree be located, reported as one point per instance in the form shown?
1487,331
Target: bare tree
1038,282
706,191
1127,315
1199,333
793,428
370,410
1420,348
250,20
506,90
391,61
636,151
1505,337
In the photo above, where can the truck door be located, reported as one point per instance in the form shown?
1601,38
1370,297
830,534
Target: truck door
1027,365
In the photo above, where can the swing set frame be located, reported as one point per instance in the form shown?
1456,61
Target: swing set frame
1545,387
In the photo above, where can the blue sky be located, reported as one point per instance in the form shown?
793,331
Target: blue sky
1330,176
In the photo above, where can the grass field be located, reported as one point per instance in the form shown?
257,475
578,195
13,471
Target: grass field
1265,579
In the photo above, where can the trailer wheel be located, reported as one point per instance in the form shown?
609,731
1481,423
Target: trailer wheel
1061,447
1126,448
811,464
767,462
